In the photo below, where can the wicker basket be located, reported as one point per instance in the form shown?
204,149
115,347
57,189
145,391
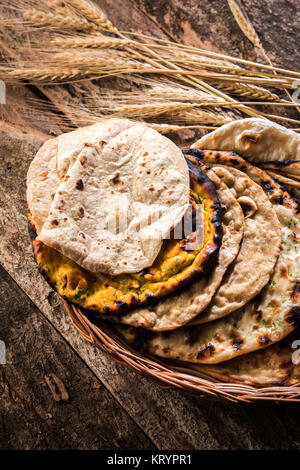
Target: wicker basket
172,376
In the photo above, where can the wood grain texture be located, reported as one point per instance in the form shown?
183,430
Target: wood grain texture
48,397
169,419
210,24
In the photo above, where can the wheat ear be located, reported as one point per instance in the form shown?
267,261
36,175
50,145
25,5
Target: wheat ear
58,20
246,26
246,90
93,42
91,11
244,23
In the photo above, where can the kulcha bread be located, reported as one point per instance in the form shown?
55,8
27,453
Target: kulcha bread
259,140
117,177
260,245
273,366
180,260
178,309
268,318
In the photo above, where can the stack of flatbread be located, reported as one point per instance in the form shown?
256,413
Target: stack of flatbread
191,256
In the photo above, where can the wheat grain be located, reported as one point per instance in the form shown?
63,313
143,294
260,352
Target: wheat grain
36,75
93,42
91,11
168,128
248,29
246,90
58,20
244,22
149,110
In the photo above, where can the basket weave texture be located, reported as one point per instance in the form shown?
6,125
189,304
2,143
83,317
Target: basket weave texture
172,376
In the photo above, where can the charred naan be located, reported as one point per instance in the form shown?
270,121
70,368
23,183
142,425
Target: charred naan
178,309
268,318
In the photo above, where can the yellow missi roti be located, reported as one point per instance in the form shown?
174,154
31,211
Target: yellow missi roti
174,266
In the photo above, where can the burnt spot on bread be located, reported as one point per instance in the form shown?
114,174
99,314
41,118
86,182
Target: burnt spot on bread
120,304
81,211
31,230
264,340
293,316
194,153
267,187
83,159
237,343
192,336
142,339
296,291
54,222
79,184
234,161
283,271
206,350
116,178
251,138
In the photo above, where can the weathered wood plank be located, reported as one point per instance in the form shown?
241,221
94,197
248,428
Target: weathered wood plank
48,397
171,420
210,24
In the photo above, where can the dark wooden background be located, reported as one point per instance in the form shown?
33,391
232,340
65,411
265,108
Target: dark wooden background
56,390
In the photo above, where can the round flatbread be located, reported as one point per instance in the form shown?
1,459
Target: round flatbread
122,189
180,308
259,140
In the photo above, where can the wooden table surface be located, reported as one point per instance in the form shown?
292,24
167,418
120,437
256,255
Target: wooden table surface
56,390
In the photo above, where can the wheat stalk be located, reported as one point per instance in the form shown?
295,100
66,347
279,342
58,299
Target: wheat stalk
94,42
168,128
244,23
249,31
91,11
246,90
164,44
38,75
58,20
186,85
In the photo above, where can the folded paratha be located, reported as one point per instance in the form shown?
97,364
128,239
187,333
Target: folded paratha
268,318
259,140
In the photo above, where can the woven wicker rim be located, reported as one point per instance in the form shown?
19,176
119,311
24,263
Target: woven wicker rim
169,376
